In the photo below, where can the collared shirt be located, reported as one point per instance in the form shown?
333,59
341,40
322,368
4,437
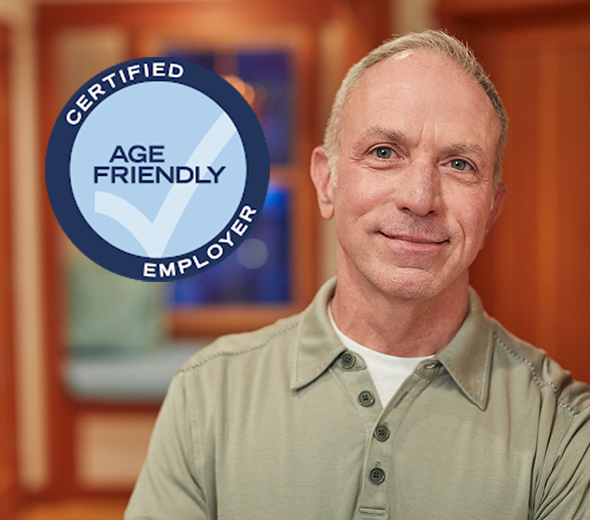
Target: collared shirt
283,424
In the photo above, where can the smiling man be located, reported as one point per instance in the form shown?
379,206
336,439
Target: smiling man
393,396
415,153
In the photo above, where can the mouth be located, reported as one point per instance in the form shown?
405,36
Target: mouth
414,248
416,239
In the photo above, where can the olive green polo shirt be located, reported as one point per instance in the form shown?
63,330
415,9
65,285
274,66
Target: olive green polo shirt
284,423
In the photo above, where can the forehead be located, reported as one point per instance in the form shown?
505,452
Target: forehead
424,95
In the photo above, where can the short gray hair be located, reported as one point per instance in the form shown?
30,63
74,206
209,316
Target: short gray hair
437,41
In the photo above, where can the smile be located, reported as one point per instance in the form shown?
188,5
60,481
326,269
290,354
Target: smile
415,239
414,244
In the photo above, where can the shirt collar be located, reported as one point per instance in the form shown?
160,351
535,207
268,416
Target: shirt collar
467,358
317,345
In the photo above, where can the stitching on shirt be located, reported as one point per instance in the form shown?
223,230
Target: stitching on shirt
540,384
372,512
239,352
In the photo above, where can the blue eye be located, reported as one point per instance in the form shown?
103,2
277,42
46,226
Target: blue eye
383,152
459,164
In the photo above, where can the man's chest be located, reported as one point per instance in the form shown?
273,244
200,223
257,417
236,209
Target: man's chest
326,454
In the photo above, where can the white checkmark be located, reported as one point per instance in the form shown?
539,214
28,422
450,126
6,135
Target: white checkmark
154,236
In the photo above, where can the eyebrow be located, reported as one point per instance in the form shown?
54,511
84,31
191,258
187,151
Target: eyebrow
466,149
395,135
376,132
383,133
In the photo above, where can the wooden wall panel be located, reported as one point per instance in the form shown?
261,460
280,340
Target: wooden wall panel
572,75
533,274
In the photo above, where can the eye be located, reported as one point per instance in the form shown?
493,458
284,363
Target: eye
383,152
460,164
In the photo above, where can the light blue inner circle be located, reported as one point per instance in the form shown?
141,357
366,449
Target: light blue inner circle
157,219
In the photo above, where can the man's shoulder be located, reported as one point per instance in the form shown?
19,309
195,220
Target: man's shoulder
542,371
242,346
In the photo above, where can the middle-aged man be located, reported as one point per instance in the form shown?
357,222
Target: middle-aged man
393,396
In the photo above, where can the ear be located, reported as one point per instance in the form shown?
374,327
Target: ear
499,194
322,180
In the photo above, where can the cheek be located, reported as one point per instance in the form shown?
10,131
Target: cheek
356,209
473,218
358,193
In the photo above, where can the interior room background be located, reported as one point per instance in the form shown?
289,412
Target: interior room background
86,355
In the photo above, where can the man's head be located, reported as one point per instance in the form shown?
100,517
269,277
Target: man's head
417,141
437,41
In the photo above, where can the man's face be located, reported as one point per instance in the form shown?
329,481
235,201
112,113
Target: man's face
414,194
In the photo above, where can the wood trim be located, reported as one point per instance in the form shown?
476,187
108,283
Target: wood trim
9,485
486,8
182,16
464,18
60,417
116,408
213,321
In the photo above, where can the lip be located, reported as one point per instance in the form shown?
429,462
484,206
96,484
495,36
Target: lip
414,247
415,239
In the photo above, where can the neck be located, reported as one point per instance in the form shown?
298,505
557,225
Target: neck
405,327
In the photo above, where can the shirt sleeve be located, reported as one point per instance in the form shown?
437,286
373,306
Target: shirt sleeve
565,491
168,486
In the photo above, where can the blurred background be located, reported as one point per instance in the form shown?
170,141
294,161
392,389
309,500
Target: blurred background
86,355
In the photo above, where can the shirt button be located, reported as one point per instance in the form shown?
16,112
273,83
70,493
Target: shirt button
376,475
381,433
366,398
347,360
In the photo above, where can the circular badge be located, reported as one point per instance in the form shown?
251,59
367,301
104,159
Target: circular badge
157,169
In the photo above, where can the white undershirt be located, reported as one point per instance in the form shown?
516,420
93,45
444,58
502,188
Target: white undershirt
388,372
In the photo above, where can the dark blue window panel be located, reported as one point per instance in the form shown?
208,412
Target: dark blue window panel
204,59
270,73
258,272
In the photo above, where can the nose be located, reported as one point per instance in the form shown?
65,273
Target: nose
418,189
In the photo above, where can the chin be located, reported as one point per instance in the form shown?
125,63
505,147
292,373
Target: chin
412,284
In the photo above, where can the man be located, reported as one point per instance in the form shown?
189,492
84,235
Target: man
393,396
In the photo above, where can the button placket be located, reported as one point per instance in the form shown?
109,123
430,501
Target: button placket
357,382
378,468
